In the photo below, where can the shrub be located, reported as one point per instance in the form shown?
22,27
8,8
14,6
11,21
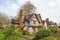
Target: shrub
1,27
9,32
53,29
41,34
24,32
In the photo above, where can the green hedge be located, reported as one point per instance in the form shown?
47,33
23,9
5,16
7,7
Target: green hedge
53,29
41,34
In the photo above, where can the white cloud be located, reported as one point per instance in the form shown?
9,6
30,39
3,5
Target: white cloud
52,4
13,7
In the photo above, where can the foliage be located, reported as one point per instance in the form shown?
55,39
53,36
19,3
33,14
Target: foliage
28,7
4,19
53,29
37,26
49,38
14,32
10,33
1,27
41,34
53,37
1,35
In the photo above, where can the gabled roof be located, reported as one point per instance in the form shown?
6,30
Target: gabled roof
38,17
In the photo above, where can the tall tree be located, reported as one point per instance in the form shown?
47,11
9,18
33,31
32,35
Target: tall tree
28,7
4,19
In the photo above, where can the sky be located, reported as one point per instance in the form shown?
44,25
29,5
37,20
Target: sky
47,8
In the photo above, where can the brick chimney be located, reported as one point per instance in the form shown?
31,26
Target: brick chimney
22,18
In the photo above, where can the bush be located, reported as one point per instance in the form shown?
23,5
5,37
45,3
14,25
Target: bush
49,38
41,34
9,32
1,27
53,29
